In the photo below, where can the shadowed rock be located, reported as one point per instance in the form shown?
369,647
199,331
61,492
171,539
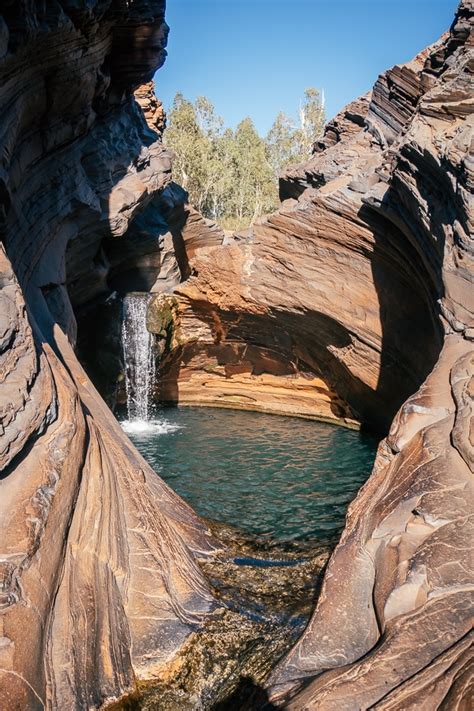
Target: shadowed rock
98,580
355,301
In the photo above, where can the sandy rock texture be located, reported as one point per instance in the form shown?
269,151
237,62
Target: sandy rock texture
99,584
355,301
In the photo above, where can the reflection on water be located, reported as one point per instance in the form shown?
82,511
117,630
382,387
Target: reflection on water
281,478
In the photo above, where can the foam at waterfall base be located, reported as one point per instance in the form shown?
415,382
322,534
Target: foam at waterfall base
146,427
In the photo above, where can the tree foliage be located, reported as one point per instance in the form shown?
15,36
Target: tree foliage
232,175
289,141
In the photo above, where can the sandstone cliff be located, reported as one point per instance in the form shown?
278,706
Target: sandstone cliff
355,302
98,580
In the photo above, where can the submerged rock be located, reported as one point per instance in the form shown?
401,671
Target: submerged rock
267,597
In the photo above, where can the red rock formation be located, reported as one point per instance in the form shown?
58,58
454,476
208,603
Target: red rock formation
408,596
320,286
365,282
354,301
98,580
151,106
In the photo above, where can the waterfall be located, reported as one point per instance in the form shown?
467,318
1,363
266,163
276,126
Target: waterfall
138,357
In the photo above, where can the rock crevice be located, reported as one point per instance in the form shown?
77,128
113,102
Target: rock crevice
98,558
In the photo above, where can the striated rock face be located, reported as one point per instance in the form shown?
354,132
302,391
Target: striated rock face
99,584
392,626
355,301
216,358
307,313
352,303
318,291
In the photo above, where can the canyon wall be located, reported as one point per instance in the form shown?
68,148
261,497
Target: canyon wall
99,584
354,302
392,627
307,312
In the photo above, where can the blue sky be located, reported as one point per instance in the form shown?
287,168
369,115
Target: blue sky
255,57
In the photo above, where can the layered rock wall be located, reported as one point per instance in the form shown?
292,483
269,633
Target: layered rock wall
361,287
315,295
99,585
401,578
353,302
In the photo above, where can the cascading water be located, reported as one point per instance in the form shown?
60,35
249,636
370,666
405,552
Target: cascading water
138,357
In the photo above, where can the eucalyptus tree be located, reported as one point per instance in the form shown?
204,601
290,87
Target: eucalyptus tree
232,176
290,140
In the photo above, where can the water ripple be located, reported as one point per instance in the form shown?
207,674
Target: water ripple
277,477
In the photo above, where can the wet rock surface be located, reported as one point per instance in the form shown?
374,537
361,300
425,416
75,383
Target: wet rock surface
266,594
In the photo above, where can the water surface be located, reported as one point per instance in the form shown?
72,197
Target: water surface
281,478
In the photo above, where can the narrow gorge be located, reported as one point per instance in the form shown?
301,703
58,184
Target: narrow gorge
350,310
